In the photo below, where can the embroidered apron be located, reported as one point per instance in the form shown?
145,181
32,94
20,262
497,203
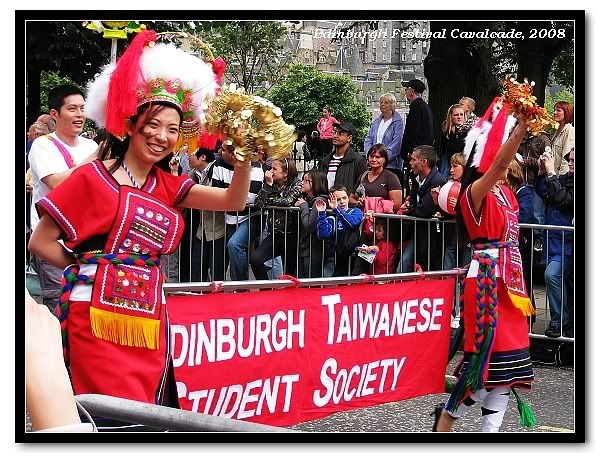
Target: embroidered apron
127,299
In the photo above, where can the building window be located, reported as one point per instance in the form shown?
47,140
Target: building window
414,45
403,44
374,56
403,57
414,57
384,44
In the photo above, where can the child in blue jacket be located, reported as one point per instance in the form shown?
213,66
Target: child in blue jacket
337,227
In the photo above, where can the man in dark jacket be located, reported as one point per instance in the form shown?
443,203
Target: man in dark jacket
343,165
419,121
425,238
531,149
558,193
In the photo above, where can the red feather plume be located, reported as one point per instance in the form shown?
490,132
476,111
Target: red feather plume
121,102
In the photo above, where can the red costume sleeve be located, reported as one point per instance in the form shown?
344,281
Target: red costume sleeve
172,188
82,206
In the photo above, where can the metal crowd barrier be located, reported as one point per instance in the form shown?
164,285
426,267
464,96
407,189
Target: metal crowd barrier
166,418
432,241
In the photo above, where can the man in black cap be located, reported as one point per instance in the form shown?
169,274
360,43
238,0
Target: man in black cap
419,121
343,165
418,129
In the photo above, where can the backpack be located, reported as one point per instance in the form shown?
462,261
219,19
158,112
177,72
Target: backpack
348,243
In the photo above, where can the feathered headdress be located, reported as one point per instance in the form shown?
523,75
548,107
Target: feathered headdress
493,128
154,72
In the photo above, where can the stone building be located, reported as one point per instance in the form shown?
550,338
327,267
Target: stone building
377,58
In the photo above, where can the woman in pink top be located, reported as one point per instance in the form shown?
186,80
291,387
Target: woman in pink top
325,128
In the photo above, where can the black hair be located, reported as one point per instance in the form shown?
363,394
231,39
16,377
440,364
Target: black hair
381,149
427,152
101,135
319,182
115,148
207,153
338,187
57,95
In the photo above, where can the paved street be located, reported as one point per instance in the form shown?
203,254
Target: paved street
551,398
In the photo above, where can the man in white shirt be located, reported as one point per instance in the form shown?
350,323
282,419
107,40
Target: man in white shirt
52,159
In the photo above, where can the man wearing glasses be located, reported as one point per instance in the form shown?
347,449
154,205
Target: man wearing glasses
343,165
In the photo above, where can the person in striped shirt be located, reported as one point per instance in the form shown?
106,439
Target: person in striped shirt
242,227
343,165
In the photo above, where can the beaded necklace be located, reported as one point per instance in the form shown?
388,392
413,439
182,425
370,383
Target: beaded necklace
130,175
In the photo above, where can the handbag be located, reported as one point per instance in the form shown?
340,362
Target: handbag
375,204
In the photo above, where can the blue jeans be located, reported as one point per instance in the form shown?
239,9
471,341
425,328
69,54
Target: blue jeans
274,266
450,257
237,246
444,167
407,263
559,287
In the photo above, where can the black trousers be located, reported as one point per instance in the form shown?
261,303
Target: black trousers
209,255
269,249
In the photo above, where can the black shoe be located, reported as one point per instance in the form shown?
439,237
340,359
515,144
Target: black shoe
437,413
553,331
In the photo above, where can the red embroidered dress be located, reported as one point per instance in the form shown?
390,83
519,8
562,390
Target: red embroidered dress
118,329
510,364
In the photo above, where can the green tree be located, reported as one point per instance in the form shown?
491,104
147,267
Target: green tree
63,47
252,50
49,80
552,99
302,94
474,67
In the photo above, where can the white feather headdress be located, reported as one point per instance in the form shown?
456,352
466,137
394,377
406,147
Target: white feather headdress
150,72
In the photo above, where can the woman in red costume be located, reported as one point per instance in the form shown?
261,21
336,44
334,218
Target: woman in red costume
496,305
120,213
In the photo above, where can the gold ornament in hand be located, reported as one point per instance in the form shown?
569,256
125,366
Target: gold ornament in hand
520,99
248,121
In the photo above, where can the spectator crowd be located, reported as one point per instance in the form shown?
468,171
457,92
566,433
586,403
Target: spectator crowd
315,213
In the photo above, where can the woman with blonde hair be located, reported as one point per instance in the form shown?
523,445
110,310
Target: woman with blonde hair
388,130
453,136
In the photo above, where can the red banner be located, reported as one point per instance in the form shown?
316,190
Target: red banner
286,356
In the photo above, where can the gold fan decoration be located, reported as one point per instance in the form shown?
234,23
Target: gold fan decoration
246,120
249,121
521,101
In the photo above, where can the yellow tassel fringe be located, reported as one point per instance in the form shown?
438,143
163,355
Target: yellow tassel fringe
125,329
523,304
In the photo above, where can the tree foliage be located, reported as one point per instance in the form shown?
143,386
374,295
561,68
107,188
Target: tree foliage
252,50
561,95
474,66
65,48
302,94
